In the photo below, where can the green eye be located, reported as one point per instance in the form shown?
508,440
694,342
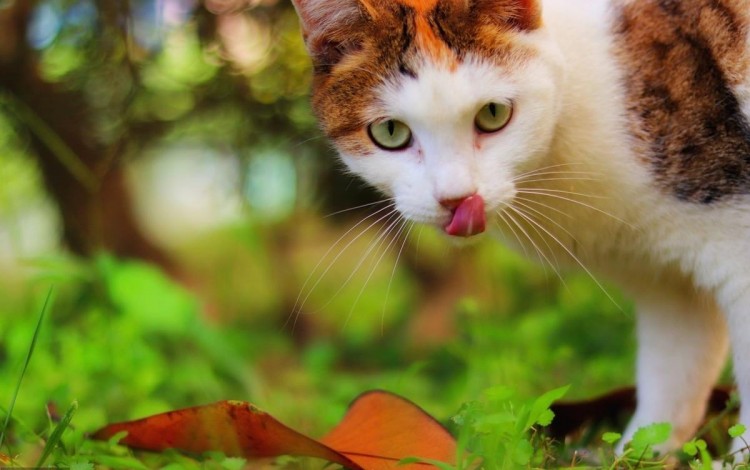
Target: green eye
493,117
390,134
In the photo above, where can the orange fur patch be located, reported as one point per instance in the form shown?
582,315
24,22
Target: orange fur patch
420,6
432,45
425,36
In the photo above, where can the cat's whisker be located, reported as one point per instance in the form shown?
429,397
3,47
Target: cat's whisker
405,239
391,220
540,203
542,256
524,178
502,216
419,239
298,304
575,201
306,141
386,235
573,256
369,204
557,178
556,265
546,168
560,191
542,214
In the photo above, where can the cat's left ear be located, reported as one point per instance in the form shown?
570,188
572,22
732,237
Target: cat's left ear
329,28
521,14
322,17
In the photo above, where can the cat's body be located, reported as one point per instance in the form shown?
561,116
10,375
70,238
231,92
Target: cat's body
624,148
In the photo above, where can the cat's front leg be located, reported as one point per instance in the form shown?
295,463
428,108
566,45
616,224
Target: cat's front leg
682,345
736,303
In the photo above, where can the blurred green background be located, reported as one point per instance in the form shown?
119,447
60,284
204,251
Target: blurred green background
160,168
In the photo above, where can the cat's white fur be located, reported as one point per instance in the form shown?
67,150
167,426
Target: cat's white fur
686,265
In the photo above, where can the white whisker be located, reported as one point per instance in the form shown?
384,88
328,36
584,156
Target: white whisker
580,174
542,214
575,201
542,256
306,141
419,240
557,178
297,309
359,207
540,203
551,252
531,220
559,191
392,219
380,242
393,271
501,214
546,168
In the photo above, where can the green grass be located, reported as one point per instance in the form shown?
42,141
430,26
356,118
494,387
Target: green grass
26,361
123,341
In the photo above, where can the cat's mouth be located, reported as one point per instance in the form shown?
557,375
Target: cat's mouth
468,218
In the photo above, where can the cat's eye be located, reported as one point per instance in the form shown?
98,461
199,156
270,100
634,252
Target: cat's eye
493,117
390,134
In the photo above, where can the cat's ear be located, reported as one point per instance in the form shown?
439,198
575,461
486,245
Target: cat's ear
320,16
521,14
329,27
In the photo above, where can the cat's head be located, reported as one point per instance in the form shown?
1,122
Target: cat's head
441,104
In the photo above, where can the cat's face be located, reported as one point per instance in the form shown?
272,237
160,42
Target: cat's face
441,104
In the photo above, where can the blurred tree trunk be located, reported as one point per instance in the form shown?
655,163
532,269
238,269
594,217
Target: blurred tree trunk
85,178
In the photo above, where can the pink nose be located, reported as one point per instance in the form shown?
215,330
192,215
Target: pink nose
468,216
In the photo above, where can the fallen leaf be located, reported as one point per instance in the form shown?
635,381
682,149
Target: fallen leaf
377,432
238,429
381,428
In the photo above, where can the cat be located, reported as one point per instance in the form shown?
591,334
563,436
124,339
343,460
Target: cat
610,134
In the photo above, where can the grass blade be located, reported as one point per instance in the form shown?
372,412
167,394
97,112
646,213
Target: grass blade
56,435
25,365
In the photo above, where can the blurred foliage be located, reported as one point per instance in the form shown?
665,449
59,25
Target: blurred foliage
125,342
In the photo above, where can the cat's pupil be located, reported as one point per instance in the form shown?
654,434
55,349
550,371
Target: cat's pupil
493,109
391,127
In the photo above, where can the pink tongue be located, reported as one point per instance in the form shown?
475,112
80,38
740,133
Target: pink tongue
468,218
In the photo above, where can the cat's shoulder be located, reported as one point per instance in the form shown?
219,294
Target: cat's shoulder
674,31
686,67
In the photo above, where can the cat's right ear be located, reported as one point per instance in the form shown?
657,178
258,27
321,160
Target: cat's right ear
328,28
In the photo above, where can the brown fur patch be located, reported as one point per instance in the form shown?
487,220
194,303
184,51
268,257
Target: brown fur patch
681,58
390,38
